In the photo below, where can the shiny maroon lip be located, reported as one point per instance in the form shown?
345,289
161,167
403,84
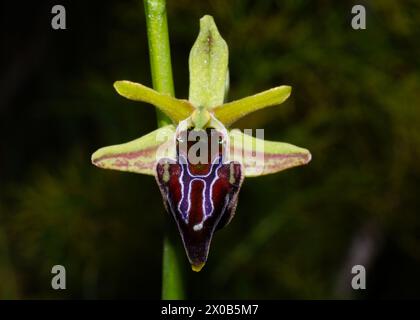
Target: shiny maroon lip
200,200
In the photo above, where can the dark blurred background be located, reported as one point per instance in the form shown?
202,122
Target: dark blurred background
355,105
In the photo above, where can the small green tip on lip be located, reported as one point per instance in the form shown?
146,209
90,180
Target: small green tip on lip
197,267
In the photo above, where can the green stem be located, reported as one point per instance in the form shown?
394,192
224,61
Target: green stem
160,62
159,51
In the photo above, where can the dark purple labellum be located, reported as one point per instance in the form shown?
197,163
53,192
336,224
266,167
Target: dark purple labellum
200,195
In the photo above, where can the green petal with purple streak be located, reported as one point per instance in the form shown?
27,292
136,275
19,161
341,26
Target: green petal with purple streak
277,156
138,156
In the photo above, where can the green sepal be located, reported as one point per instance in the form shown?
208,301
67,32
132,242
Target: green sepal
230,112
208,64
175,109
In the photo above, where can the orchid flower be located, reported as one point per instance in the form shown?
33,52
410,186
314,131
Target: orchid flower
198,162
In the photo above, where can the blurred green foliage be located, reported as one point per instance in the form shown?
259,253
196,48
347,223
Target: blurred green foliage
355,105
